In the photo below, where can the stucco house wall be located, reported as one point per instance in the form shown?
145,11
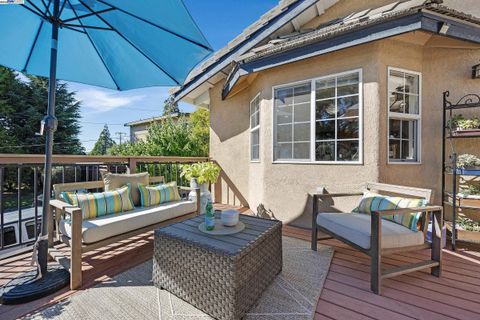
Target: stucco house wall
284,188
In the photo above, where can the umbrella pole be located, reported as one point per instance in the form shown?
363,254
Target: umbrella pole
46,279
49,124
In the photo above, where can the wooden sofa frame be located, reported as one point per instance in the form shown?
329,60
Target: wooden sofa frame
60,209
376,252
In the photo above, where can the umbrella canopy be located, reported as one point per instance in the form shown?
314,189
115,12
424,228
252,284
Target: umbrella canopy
118,44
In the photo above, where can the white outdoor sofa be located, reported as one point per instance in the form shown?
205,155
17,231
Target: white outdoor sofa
84,236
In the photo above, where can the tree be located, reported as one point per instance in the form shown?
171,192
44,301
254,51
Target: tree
182,137
200,121
170,107
103,143
23,106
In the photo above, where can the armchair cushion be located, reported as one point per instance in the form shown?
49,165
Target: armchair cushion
114,181
376,202
356,228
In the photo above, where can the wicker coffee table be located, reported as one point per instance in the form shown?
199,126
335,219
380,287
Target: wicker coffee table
221,275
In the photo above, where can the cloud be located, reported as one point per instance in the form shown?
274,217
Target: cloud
99,100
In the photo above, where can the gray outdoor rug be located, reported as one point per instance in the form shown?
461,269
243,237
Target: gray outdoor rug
130,295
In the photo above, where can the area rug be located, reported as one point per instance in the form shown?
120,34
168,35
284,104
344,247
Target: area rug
293,295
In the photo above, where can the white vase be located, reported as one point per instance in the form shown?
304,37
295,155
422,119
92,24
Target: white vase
205,195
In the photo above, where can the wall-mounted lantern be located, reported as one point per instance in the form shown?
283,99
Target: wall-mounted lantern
476,71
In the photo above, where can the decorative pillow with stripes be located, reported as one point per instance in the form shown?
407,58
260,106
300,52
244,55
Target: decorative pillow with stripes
99,204
377,202
154,195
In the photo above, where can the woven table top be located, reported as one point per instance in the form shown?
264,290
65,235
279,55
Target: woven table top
236,245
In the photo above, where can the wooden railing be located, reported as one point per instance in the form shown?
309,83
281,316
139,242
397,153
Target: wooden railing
21,177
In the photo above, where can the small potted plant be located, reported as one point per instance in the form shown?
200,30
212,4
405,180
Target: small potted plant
201,174
467,229
459,125
470,196
468,164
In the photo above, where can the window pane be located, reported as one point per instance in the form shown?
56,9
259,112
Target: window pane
325,109
302,132
284,133
283,96
284,151
284,114
411,104
347,107
396,81
347,128
411,83
325,88
325,151
325,130
302,112
394,129
347,84
255,137
396,102
301,150
347,151
302,93
255,152
394,149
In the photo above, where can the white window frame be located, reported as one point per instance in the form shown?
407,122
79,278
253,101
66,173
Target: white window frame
313,120
403,116
256,128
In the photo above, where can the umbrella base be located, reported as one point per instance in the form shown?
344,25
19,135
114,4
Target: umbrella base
25,288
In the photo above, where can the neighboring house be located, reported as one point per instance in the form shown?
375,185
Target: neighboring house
331,94
139,128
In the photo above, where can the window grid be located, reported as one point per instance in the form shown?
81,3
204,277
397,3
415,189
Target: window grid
404,116
313,121
255,128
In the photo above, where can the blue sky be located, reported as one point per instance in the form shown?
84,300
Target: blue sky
220,21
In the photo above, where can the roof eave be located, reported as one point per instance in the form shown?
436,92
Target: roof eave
416,21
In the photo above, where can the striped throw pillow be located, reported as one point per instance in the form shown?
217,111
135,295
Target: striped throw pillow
376,202
100,204
154,195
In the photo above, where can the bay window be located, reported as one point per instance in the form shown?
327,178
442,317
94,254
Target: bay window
404,116
319,120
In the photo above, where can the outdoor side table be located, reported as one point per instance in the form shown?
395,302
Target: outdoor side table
221,275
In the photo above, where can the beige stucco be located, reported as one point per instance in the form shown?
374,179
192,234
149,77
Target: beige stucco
284,188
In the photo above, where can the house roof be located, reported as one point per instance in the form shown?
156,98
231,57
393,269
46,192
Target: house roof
354,29
358,20
260,30
154,119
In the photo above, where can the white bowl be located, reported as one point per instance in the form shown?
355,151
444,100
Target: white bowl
229,218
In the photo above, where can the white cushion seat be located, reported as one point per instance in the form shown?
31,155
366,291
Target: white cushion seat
356,228
94,230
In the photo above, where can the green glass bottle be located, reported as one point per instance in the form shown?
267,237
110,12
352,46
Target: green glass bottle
209,217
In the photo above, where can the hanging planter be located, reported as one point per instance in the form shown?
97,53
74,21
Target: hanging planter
467,230
460,126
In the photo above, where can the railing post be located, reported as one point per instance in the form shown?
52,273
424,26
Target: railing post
132,165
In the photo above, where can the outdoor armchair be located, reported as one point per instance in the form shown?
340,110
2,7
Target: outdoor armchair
377,237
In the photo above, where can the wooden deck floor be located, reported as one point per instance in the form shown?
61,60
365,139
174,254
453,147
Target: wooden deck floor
346,294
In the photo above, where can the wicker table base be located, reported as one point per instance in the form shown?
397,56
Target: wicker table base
221,275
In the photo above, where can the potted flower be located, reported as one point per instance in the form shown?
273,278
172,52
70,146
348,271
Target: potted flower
459,125
468,164
201,174
467,229
470,196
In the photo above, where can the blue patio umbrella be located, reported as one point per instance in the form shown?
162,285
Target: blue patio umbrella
118,44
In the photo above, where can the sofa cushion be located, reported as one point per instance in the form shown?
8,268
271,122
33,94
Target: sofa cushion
101,228
357,228
154,195
99,204
376,202
114,181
